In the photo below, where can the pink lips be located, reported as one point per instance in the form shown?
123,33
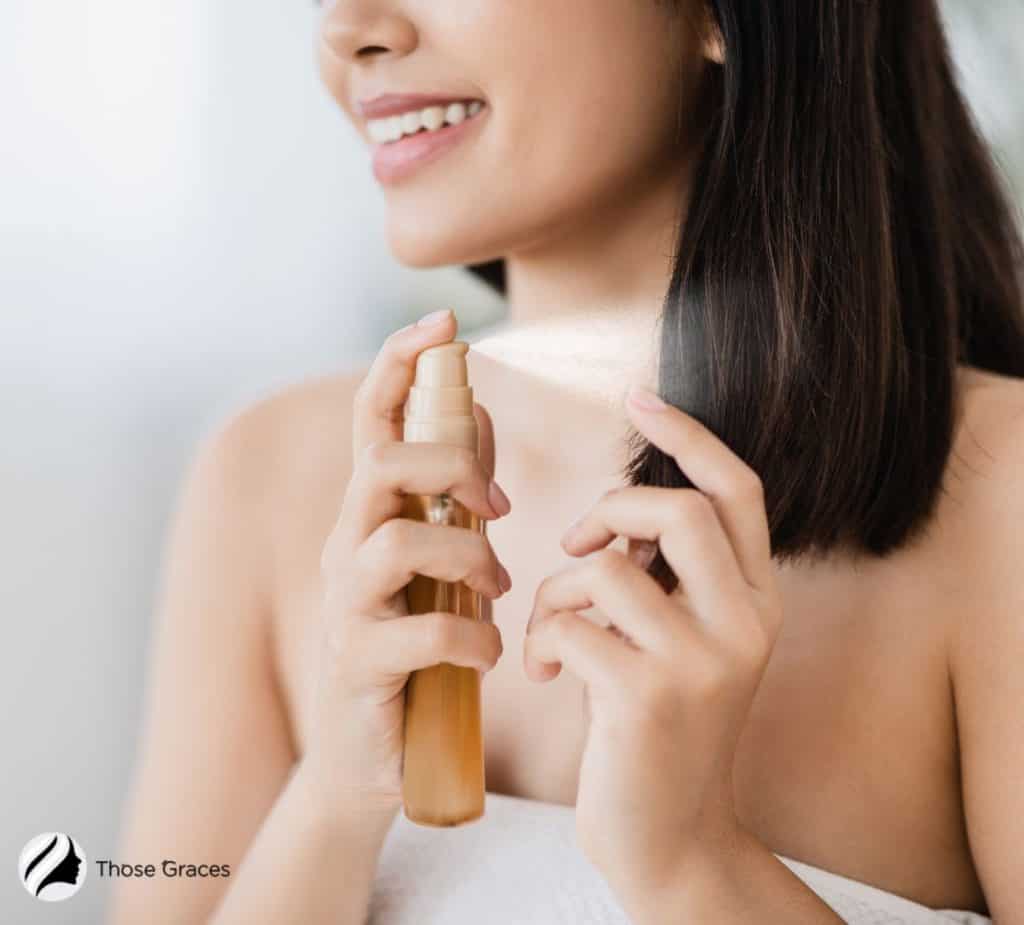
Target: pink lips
395,160
391,104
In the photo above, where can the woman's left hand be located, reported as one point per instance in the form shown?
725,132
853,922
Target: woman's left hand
670,684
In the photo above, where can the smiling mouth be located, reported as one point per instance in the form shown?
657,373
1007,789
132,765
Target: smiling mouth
391,129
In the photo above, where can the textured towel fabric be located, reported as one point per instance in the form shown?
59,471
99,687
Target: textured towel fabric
520,865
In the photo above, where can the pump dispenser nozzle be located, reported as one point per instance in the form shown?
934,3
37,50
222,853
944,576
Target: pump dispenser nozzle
440,404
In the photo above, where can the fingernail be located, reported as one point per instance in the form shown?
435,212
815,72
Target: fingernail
504,579
646,399
498,500
434,317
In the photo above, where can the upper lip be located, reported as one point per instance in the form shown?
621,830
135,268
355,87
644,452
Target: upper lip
392,104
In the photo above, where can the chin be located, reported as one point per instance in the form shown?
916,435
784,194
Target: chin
436,243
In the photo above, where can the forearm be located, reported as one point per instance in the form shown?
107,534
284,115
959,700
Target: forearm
745,884
305,865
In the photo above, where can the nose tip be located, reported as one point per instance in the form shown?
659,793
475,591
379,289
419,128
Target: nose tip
352,33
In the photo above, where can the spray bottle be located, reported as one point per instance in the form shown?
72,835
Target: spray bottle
443,769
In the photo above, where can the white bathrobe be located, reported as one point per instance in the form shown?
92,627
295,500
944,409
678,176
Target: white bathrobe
520,865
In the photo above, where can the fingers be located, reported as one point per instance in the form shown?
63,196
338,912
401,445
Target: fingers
686,526
390,470
386,650
401,548
589,651
733,487
632,599
380,399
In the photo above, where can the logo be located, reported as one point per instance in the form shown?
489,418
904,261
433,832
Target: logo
52,866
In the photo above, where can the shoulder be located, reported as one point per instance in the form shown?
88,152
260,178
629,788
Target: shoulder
986,551
988,452
271,474
983,530
258,450
292,416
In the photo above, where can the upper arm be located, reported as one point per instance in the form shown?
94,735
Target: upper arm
987,652
215,747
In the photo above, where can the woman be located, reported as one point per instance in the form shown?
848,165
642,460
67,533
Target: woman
821,659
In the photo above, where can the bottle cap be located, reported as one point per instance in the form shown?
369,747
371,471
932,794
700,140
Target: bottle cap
440,404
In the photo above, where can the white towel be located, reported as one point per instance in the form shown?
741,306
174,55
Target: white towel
520,865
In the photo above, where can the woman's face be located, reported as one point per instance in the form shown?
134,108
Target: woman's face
580,112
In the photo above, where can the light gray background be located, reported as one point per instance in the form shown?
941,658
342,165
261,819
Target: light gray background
187,223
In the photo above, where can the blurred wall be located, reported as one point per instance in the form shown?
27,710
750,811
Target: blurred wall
186,223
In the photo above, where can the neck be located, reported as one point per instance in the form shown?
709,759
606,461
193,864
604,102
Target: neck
617,260
584,303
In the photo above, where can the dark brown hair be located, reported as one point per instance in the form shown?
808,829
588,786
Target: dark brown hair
847,243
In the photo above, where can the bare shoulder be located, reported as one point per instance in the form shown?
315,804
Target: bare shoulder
302,421
302,430
988,637
985,487
287,457
990,436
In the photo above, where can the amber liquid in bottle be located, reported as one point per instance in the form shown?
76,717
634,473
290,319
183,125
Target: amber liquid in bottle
443,773
443,769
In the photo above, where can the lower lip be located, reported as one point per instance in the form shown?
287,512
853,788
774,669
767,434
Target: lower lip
399,159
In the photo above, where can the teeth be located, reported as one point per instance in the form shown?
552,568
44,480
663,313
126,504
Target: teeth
455,113
411,123
432,117
392,128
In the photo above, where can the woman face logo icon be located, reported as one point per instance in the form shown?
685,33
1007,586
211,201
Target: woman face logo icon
52,866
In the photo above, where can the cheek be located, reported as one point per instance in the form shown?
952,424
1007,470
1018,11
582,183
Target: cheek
528,175
332,75
604,84
581,119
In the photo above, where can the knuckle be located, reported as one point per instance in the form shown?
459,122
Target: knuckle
442,633
750,486
486,557
561,624
466,553
484,564
464,463
492,644
692,506
376,454
391,537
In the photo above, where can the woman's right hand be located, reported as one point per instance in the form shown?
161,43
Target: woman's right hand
369,642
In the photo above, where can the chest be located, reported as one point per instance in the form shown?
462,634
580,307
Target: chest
849,756
848,759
